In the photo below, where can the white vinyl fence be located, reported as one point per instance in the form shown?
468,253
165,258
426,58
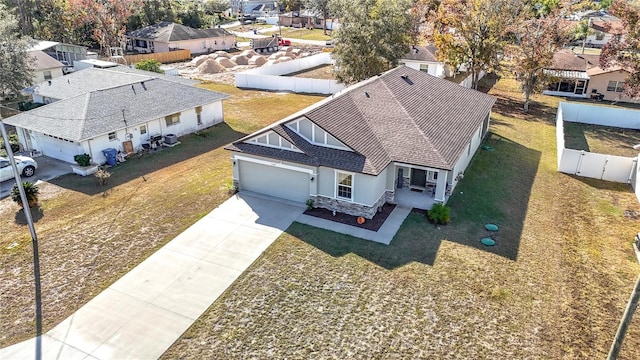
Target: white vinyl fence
599,166
269,77
468,81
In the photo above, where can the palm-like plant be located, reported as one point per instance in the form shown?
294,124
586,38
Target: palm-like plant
31,190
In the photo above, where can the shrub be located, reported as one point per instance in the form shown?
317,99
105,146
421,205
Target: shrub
83,159
309,204
31,190
149,65
439,214
102,176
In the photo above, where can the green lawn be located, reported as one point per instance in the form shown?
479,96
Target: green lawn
554,286
89,236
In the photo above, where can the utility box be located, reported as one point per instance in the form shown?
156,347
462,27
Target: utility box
170,139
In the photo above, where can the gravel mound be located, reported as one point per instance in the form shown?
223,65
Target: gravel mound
240,60
225,62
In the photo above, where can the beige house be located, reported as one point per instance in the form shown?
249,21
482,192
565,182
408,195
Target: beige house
168,36
45,67
608,83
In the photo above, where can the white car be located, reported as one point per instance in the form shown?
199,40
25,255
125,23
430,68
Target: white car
26,165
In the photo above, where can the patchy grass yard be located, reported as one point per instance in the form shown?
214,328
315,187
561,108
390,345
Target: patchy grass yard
302,33
554,286
88,239
319,72
601,139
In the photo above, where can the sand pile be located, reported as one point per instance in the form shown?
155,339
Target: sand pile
240,60
257,60
210,66
225,62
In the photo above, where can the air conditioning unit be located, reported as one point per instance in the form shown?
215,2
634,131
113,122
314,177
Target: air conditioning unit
170,139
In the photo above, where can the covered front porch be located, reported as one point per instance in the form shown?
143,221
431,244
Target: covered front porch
419,187
567,83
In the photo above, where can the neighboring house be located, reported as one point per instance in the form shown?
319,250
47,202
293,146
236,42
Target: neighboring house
579,76
424,58
45,67
306,19
94,109
602,29
65,53
372,143
167,36
248,6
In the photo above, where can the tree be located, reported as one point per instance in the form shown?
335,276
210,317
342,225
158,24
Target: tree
624,51
291,5
151,12
472,33
537,37
150,65
108,19
192,15
216,6
320,7
15,69
372,36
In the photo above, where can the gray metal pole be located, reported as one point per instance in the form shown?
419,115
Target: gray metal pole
624,323
34,238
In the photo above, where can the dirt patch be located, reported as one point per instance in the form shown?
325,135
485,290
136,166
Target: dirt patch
373,224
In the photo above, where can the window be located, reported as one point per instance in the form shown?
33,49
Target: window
344,185
143,129
112,136
172,119
424,67
615,86
199,114
47,75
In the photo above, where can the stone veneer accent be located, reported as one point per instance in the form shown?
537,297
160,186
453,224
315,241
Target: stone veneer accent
350,208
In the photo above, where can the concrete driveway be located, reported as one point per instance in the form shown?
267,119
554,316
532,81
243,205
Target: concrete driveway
48,168
148,309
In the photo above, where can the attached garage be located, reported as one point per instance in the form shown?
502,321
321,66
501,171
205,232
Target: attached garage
274,181
58,148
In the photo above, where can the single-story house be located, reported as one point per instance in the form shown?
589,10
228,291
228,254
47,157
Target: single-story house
45,67
403,136
580,76
424,58
306,19
95,109
167,36
65,53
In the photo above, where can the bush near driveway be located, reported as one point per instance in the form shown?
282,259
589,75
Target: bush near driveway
88,241
554,286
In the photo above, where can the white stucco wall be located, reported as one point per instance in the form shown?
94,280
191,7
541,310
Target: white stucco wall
38,76
465,158
435,68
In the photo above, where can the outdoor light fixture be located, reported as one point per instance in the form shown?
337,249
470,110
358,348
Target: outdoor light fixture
312,179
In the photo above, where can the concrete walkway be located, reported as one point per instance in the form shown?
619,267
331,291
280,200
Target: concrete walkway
143,313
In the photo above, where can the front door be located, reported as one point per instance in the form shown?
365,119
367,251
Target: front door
581,85
418,177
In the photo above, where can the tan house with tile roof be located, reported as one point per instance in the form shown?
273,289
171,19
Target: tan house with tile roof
404,137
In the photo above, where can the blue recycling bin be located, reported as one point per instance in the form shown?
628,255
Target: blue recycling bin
111,155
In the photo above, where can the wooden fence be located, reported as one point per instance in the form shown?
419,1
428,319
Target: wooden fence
163,57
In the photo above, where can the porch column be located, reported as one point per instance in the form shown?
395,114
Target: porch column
441,186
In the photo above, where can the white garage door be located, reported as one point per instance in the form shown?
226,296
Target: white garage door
278,182
59,149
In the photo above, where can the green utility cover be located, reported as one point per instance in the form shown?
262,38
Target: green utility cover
488,241
491,227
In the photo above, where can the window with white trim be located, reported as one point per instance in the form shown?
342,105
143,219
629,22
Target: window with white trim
143,129
424,67
172,119
271,139
315,134
344,185
112,136
615,86
47,75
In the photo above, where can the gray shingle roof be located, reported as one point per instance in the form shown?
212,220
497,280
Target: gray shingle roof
422,53
167,31
91,79
43,61
421,120
98,112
